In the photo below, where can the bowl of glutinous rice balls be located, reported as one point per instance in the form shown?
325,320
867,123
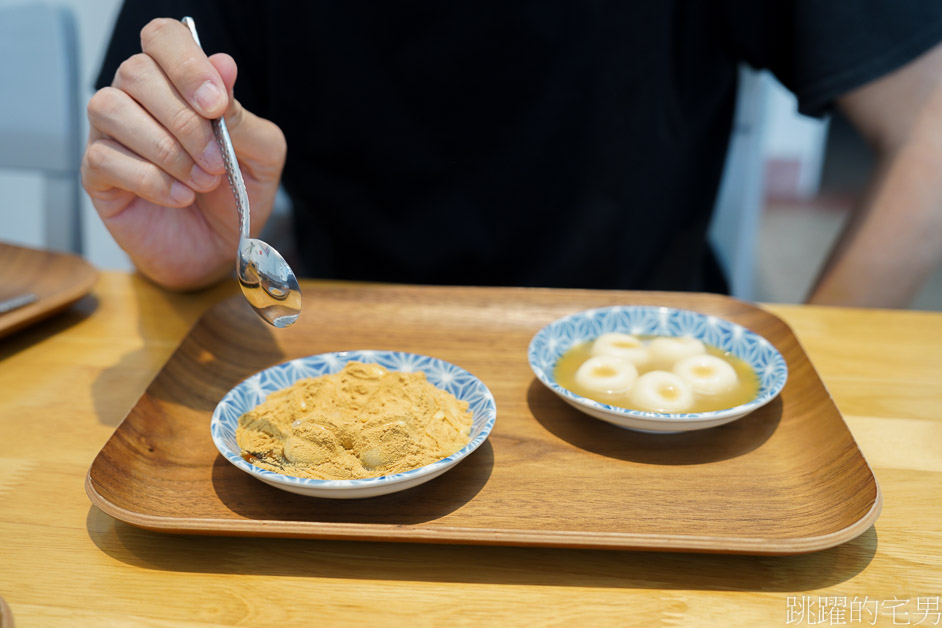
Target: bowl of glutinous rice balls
657,369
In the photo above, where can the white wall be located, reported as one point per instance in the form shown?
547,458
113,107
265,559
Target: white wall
21,192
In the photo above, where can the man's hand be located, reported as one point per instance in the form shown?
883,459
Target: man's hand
152,166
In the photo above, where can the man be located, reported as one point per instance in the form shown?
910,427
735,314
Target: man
552,144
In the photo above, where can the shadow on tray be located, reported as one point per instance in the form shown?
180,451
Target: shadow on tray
250,498
694,447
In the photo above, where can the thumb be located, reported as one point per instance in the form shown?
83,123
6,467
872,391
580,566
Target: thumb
259,143
227,68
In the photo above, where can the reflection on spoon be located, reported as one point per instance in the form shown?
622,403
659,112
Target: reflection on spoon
268,283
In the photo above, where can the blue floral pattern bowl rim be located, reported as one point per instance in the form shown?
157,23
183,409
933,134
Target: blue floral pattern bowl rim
772,380
486,407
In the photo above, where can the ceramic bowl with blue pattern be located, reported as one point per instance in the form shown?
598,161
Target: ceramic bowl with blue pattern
551,342
254,390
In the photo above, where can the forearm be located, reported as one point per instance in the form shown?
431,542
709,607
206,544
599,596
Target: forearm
893,241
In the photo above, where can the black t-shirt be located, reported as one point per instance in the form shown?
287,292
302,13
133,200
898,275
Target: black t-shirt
547,143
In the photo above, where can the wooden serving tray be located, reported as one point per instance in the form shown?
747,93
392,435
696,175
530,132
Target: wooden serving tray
57,279
786,479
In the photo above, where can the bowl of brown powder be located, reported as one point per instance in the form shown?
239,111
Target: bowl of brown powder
353,424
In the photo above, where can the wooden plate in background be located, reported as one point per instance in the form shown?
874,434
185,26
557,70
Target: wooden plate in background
786,479
57,279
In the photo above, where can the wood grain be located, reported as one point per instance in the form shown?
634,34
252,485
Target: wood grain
57,279
66,383
787,479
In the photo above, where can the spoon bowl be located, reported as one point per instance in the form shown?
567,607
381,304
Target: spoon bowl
268,283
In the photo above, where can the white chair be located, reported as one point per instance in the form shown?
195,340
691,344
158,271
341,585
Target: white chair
738,210
767,128
40,111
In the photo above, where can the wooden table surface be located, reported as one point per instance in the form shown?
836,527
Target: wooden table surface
66,383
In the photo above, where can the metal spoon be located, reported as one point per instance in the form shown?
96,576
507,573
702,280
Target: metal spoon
14,303
268,283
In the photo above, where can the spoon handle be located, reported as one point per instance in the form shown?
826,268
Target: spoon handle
13,303
233,172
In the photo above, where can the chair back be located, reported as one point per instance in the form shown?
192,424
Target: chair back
737,215
40,122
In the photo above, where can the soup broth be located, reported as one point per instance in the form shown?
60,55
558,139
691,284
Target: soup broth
745,389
